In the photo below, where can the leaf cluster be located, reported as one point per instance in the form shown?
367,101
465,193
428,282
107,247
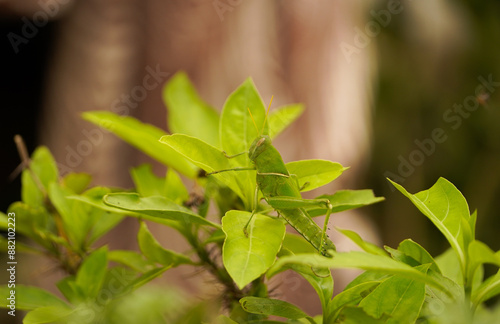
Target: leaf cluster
238,239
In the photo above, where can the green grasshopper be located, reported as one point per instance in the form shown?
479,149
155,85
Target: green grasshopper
282,192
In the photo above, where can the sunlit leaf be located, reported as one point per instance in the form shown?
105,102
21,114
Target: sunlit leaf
28,298
48,314
401,298
91,273
187,112
44,166
174,187
297,244
267,306
131,259
412,254
155,206
345,200
312,174
146,182
281,118
447,208
74,215
77,182
488,289
248,255
211,159
152,249
349,297
358,260
237,130
366,246
356,315
142,136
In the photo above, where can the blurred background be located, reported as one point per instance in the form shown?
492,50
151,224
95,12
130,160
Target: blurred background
402,89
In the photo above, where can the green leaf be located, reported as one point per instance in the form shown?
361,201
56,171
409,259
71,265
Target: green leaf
367,276
267,306
44,166
174,187
488,289
100,221
246,257
216,236
131,259
49,314
435,299
479,254
95,197
401,298
282,117
313,174
3,221
418,253
83,223
203,155
156,207
357,260
33,221
320,279
142,136
158,304
146,182
188,113
35,180
412,254
237,130
74,216
345,200
211,159
76,182
28,298
91,274
322,283
349,297
144,279
447,208
472,224
32,193
68,287
356,315
297,244
366,246
152,249
449,265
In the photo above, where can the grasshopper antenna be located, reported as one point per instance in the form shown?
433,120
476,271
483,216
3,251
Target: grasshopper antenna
254,123
267,113
265,119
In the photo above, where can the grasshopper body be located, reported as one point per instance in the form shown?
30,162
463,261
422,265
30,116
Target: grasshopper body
274,180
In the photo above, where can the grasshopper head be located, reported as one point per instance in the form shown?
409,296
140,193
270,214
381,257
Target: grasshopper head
258,146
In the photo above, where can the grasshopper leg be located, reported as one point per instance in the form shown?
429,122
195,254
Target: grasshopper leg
256,203
325,225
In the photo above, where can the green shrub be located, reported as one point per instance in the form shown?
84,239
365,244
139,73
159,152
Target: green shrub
245,242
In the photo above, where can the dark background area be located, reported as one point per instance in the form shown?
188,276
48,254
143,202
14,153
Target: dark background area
21,90
415,88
